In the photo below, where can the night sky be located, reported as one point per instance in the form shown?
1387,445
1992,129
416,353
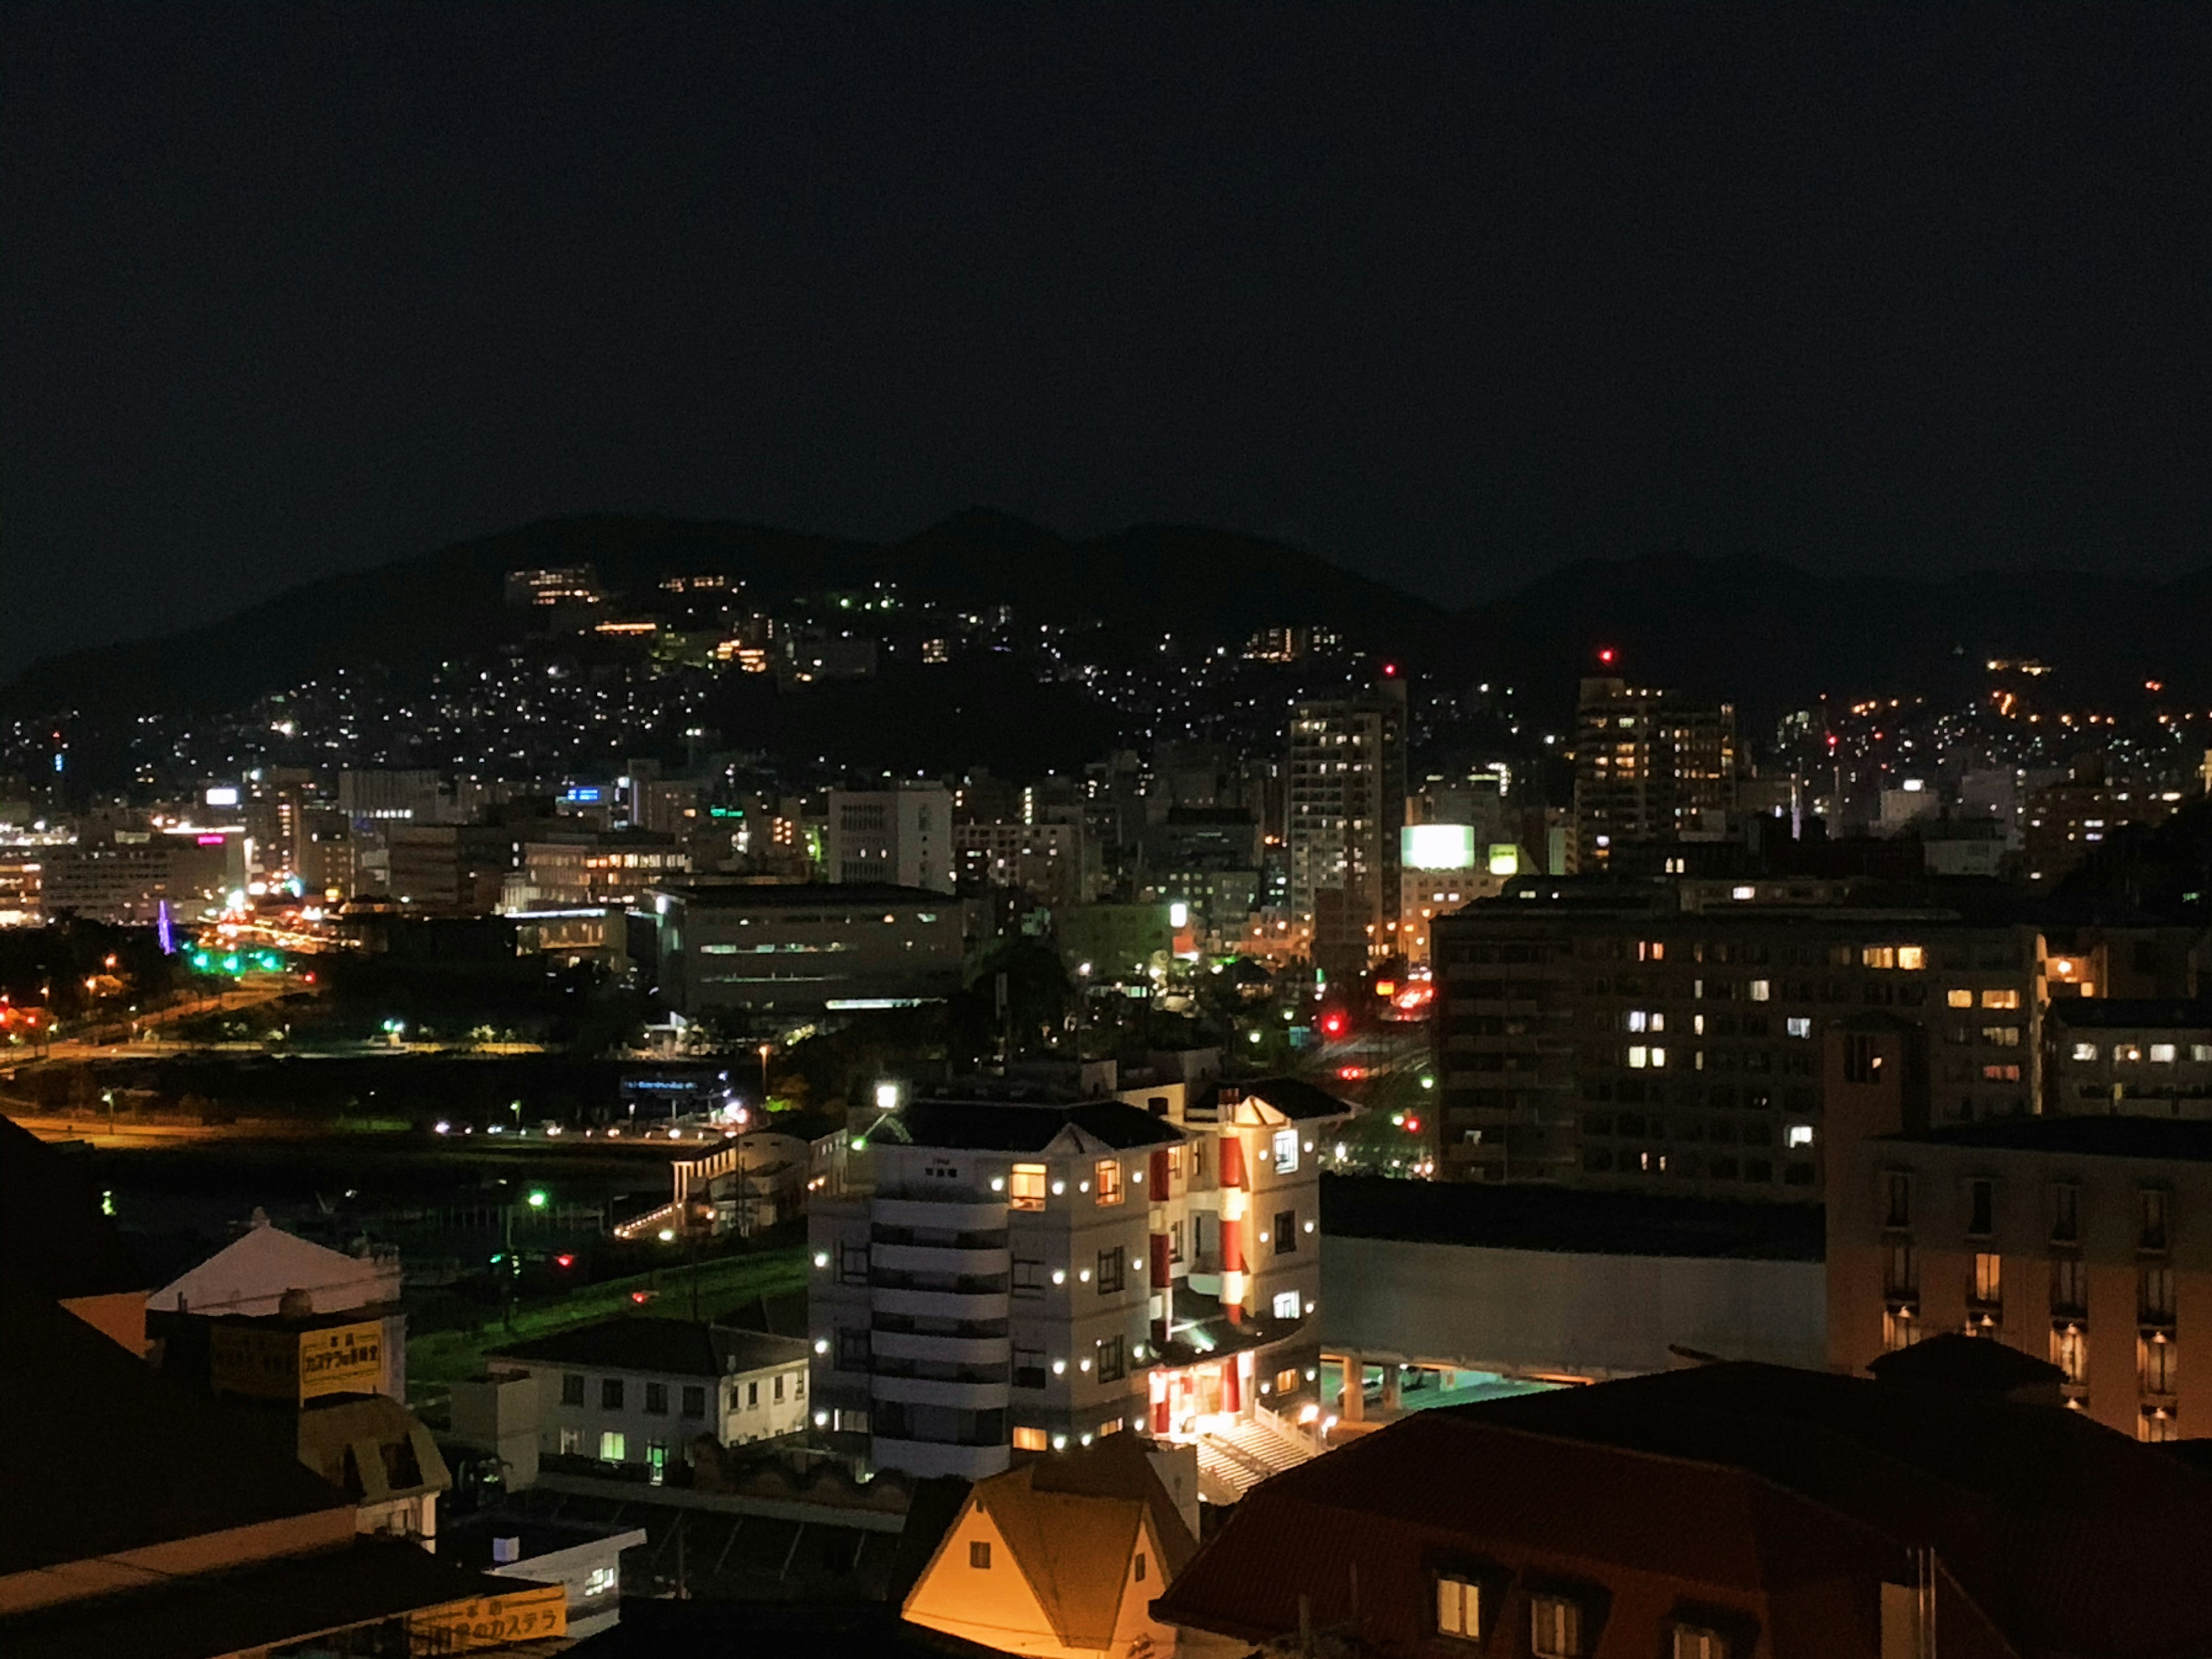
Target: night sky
1449,296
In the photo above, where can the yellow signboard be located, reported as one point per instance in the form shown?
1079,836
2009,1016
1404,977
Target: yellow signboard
533,1612
295,1365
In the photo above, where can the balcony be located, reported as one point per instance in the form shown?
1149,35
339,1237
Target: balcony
939,1261
889,1345
958,1211
935,1391
966,1306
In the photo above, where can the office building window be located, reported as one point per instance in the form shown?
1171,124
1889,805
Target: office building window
2085,1051
2070,1286
2000,998
2162,1053
1112,1265
656,1400
1286,1231
1030,1439
2153,1236
979,1553
1981,1208
2155,1298
611,1446
1959,997
2157,1362
1989,1278
1897,1198
2069,1352
2065,1213
1458,1607
695,1401
1108,1174
1287,1304
1286,1152
611,1393
572,1389
1555,1627
1025,1187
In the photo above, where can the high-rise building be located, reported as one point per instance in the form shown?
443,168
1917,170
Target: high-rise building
1347,806
1669,1039
900,836
1650,766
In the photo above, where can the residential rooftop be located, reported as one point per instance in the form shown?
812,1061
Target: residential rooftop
660,1346
991,1126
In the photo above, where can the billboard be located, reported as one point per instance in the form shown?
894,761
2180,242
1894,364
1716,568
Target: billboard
273,1362
1437,846
533,1612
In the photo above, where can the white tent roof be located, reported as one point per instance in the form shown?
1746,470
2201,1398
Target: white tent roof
251,1275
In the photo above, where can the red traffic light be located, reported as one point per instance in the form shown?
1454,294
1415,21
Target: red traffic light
641,1296
564,1260
1333,1024
1605,655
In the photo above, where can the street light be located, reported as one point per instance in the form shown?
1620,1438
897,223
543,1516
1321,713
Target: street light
766,1049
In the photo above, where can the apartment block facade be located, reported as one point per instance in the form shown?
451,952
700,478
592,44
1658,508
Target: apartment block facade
1670,1037
1009,1276
2084,1242
1346,807
1650,766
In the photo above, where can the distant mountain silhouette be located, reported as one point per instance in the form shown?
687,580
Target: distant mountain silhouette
1766,633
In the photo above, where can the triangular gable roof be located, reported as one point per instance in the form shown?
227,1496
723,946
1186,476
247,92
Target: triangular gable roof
1073,1549
261,1265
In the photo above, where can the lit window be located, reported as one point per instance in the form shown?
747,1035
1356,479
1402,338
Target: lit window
1801,1134
611,1446
1028,1439
1286,1305
1555,1627
1912,957
2200,1052
2000,998
1878,956
1026,1187
1760,990
1989,1277
1695,1642
1109,1173
1743,892
1799,1025
601,1580
2085,1051
2162,1053
1638,1020
1459,1609
2126,1053
1286,1150
1959,998
1639,1057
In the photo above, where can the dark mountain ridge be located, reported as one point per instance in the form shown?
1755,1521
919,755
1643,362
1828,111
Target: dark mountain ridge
1768,634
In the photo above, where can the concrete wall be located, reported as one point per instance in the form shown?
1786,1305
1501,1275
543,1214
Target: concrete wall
1531,1312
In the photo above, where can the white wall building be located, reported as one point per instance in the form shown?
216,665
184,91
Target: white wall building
901,837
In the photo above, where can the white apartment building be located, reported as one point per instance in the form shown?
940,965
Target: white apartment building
637,1392
900,836
1011,1275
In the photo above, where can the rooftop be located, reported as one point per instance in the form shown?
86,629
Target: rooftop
665,1347
2164,1139
801,896
1295,1098
982,1126
140,1460
1567,1219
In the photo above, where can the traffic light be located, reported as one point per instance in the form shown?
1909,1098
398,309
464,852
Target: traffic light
564,1260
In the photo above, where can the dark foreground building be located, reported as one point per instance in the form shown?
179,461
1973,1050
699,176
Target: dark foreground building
1727,1511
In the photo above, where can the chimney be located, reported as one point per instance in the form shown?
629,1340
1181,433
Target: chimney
505,1551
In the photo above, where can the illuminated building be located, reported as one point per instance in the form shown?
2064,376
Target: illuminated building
1670,1037
1062,1555
788,951
1017,1275
1045,860
1650,766
2132,1058
901,836
2063,824
1347,792
2078,1240
127,879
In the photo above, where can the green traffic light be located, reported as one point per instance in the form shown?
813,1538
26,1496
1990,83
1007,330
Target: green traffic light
538,1198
